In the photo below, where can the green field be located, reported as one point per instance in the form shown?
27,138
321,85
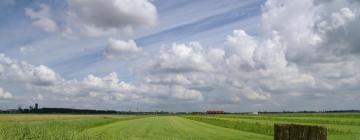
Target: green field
184,127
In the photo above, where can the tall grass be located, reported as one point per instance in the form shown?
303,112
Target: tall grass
248,125
303,119
256,127
53,129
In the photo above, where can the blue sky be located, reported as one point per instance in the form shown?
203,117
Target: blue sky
240,55
179,21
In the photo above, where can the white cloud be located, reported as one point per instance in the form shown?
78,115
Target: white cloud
164,93
182,58
92,18
39,81
299,44
308,28
240,48
26,50
342,17
4,94
42,18
255,95
238,66
14,71
38,97
46,24
177,79
44,75
306,50
43,80
121,50
187,94
110,17
280,60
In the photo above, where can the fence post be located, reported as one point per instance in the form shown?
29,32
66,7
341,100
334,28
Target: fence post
299,132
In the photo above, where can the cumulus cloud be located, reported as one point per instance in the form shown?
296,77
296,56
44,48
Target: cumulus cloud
240,49
42,18
306,51
41,81
182,58
159,93
121,50
238,66
26,50
15,71
110,17
284,59
91,18
184,93
4,94
44,75
312,28
297,48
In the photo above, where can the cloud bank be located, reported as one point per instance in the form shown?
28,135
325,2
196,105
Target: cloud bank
91,18
42,18
305,57
121,50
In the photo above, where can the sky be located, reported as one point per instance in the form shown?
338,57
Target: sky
180,55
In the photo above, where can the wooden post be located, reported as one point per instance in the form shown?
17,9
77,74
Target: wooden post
299,132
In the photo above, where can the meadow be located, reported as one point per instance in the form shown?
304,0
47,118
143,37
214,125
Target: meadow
344,126
341,126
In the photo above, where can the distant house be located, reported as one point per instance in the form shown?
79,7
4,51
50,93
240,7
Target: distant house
213,111
255,113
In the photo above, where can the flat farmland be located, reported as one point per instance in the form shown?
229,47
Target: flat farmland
180,127
341,126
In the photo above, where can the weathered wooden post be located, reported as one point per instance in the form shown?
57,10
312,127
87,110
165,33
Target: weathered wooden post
299,132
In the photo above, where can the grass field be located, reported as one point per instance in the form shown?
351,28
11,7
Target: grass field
184,127
340,126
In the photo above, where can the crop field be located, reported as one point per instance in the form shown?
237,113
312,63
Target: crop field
180,127
340,126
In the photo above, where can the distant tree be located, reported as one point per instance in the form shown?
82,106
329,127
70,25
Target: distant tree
20,109
31,108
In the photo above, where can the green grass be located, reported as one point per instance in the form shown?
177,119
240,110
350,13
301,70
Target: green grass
56,129
45,117
168,128
341,126
248,126
118,128
301,118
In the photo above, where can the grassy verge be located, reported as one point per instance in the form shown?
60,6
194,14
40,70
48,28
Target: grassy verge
264,124
52,129
167,128
255,127
324,119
